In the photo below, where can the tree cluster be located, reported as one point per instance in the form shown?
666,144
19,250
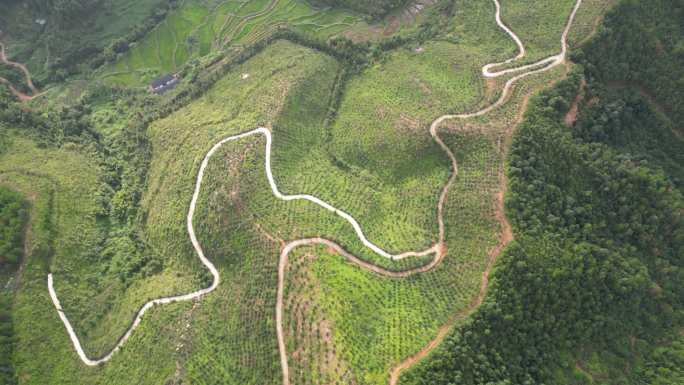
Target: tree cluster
12,219
642,42
599,250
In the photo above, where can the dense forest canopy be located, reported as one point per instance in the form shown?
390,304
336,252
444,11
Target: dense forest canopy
13,216
643,42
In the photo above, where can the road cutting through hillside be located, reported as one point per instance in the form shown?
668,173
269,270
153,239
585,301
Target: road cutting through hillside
438,249
20,95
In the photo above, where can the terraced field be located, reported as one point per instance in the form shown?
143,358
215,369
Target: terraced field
196,30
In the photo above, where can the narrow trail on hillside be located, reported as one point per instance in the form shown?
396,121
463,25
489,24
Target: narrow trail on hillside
505,238
27,75
438,249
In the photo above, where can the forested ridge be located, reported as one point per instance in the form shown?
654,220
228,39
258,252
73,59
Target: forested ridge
642,42
597,269
13,216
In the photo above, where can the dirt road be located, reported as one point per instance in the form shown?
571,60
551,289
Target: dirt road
27,75
438,249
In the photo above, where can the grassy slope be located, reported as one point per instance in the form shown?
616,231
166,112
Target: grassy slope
634,128
379,321
75,197
472,229
538,24
61,185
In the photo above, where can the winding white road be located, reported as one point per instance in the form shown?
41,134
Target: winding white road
437,249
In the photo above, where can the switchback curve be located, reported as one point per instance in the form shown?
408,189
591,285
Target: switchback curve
437,249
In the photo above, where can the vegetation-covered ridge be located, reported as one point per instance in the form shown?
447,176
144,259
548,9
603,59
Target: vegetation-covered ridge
26,79
591,290
112,172
13,217
437,249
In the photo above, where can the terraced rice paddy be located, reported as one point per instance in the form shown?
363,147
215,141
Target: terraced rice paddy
196,30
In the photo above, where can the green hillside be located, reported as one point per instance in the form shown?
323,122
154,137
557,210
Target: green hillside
594,279
342,192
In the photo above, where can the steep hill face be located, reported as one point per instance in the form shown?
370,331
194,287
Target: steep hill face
591,291
375,8
643,42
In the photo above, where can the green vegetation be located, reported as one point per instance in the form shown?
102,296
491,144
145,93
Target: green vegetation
341,319
197,29
240,313
542,37
588,19
62,37
67,239
12,222
109,175
375,8
571,236
14,76
12,218
628,122
643,43
7,340
591,290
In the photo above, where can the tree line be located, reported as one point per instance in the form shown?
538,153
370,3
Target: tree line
599,249
13,218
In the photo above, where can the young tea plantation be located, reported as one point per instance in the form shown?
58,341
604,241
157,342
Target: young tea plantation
197,29
343,239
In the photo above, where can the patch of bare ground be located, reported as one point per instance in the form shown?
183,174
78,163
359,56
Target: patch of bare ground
571,115
580,368
393,24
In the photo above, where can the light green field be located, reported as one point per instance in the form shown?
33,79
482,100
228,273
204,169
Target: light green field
197,29
539,24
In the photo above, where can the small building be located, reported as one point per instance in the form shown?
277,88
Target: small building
164,83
